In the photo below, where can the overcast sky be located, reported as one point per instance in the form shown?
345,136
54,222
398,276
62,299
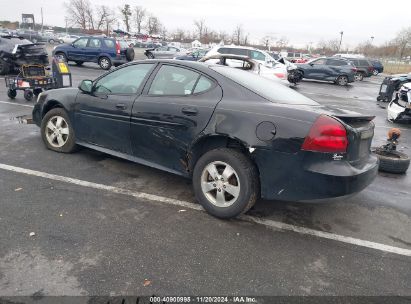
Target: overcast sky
301,21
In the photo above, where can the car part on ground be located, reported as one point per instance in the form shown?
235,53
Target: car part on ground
399,109
390,84
390,159
15,51
337,70
253,136
102,50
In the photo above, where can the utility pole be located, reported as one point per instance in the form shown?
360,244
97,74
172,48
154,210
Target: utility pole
339,47
42,21
372,39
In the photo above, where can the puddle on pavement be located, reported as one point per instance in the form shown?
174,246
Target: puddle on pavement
23,119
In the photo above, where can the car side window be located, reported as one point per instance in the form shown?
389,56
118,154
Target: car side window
335,62
94,43
202,85
172,49
171,80
109,43
321,61
80,43
257,55
126,80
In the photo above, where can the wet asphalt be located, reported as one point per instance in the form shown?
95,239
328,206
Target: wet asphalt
95,242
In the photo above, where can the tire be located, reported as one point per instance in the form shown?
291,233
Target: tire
61,55
130,54
375,72
11,93
37,92
4,67
47,133
28,95
51,41
150,55
342,80
393,161
79,63
359,76
104,63
379,98
243,182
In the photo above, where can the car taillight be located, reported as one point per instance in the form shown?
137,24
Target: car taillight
326,135
280,75
118,47
354,69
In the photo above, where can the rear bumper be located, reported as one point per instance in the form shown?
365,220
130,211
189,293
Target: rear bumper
291,178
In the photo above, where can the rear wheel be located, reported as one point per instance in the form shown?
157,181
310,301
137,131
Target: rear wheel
392,161
375,72
225,182
104,63
28,95
57,132
359,76
342,80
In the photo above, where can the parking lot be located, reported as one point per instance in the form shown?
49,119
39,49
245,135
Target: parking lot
106,226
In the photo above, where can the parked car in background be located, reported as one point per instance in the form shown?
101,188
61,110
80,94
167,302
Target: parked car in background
364,67
236,135
102,50
337,70
50,37
30,35
194,55
164,52
16,51
68,38
378,67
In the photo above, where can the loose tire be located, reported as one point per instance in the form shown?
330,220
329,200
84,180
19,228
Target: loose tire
79,63
342,80
393,161
11,93
104,63
62,56
57,132
130,54
28,95
225,182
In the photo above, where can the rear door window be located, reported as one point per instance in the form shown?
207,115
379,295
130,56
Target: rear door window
94,43
203,85
171,80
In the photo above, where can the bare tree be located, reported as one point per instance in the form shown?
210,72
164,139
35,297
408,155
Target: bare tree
178,35
238,33
153,25
200,26
222,35
101,15
90,16
403,40
281,42
126,12
77,12
139,16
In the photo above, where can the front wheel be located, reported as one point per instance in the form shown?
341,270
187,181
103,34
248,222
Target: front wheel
57,131
104,63
342,80
61,56
225,182
28,95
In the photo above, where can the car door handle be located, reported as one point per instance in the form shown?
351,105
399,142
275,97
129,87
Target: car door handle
189,111
121,106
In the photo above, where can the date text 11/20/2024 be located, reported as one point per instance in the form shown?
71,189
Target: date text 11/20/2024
206,299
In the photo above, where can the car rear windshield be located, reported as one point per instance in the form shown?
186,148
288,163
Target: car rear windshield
269,89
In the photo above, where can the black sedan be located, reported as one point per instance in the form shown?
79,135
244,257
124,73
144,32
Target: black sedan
337,70
237,135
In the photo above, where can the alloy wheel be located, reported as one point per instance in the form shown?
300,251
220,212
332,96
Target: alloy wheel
57,131
104,63
220,184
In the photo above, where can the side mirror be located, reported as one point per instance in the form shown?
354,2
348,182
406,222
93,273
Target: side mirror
86,86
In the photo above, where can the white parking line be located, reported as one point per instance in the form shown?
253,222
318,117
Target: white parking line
171,201
16,104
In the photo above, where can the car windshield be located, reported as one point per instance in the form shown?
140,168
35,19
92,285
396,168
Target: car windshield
269,89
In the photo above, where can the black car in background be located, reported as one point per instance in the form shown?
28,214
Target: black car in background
237,135
16,51
364,67
337,70
378,66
